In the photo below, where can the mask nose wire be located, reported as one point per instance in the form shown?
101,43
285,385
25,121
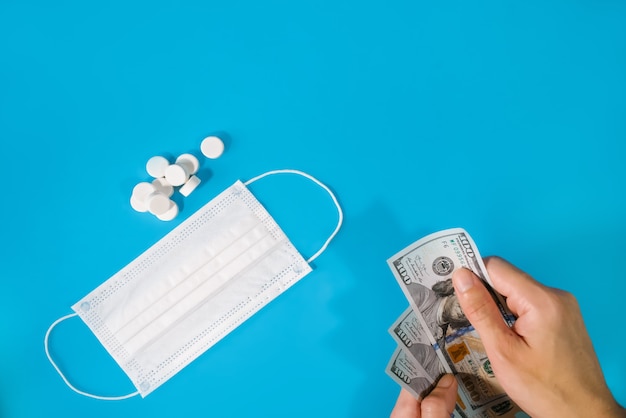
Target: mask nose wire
323,186
67,382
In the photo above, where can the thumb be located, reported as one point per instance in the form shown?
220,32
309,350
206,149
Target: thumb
441,401
480,309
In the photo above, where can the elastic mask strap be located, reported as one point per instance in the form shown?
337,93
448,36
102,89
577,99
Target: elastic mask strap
323,186
45,343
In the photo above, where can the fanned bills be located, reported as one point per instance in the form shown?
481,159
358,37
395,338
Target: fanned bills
435,334
409,374
412,337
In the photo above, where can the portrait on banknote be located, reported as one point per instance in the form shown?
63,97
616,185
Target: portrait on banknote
440,308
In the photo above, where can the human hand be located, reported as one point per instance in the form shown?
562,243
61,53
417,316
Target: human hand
545,362
439,403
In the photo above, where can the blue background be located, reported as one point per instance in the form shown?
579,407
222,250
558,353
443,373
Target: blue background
505,118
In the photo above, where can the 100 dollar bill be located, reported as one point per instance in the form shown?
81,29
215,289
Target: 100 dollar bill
410,367
424,273
409,374
412,337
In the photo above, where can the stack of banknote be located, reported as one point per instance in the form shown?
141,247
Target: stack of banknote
433,335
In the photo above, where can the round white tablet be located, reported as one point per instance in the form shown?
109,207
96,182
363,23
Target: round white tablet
163,186
176,174
143,190
190,162
191,184
158,204
171,213
138,204
156,166
212,147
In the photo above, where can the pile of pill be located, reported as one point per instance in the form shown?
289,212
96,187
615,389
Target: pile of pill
155,196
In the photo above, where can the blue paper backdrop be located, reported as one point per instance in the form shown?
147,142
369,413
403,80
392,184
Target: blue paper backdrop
505,118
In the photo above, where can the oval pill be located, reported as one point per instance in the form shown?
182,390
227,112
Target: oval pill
171,213
156,166
137,204
212,147
158,204
143,190
190,162
176,174
189,186
163,186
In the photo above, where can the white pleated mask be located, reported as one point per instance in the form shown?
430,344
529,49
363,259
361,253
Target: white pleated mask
193,287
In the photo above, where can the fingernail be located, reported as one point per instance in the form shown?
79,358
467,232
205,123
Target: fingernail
446,381
463,280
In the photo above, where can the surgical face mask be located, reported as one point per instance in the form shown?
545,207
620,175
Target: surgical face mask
193,287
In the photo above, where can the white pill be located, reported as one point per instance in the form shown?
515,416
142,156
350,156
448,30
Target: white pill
171,213
189,186
163,186
138,204
176,174
143,190
190,162
158,203
212,147
156,166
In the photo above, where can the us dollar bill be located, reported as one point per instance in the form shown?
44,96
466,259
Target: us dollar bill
412,337
414,350
409,374
424,272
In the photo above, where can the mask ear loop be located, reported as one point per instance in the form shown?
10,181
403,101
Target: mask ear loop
323,186
89,395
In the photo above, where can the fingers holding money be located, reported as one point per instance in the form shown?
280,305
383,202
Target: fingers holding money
529,300
406,406
423,272
481,310
439,403
517,286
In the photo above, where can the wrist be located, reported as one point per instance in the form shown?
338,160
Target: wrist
607,408
601,405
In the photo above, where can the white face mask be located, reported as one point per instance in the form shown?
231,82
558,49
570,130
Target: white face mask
193,287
